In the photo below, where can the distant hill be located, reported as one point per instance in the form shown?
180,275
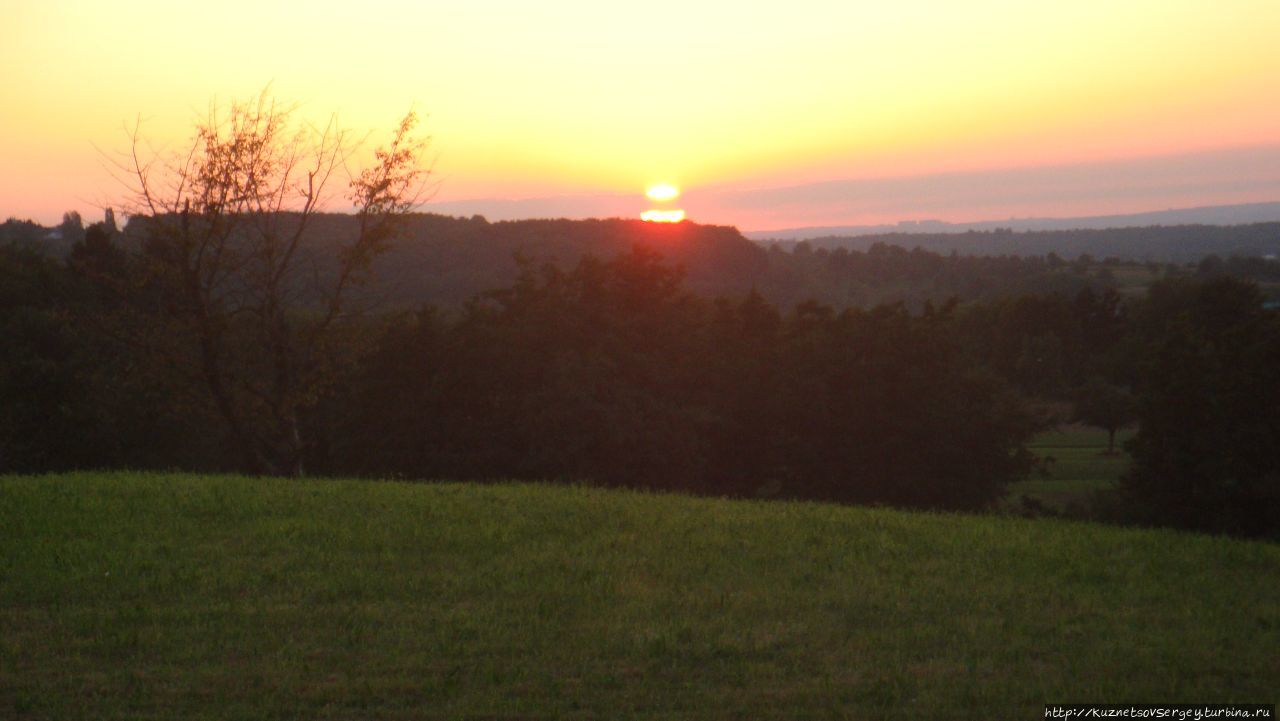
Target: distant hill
446,261
1156,243
1207,215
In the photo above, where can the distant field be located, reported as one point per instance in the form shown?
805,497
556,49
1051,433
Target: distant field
175,596
1079,467
1131,279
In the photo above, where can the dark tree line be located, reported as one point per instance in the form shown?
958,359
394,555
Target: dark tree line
612,371
889,273
445,261
1208,393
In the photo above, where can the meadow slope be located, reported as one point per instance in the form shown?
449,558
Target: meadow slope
178,596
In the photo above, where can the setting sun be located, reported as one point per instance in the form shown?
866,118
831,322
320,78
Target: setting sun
663,192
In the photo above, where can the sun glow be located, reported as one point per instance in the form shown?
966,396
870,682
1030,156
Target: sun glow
544,105
663,192
662,216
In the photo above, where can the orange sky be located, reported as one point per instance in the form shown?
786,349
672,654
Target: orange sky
584,99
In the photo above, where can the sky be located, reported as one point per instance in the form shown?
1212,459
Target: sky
766,115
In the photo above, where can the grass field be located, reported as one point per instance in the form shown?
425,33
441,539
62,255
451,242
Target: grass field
175,596
1079,466
1131,279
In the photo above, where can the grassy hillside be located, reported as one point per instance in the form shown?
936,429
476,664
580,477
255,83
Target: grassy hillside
149,596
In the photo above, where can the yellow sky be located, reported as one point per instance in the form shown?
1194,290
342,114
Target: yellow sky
553,98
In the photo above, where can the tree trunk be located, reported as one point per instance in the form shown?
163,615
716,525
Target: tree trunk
295,469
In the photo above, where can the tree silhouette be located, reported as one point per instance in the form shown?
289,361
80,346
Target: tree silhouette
1103,405
226,291
1208,410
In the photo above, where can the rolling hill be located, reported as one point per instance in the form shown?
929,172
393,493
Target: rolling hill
177,596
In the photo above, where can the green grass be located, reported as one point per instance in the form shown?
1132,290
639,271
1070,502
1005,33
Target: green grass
177,596
1078,466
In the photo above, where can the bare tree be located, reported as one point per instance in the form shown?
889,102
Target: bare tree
227,285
